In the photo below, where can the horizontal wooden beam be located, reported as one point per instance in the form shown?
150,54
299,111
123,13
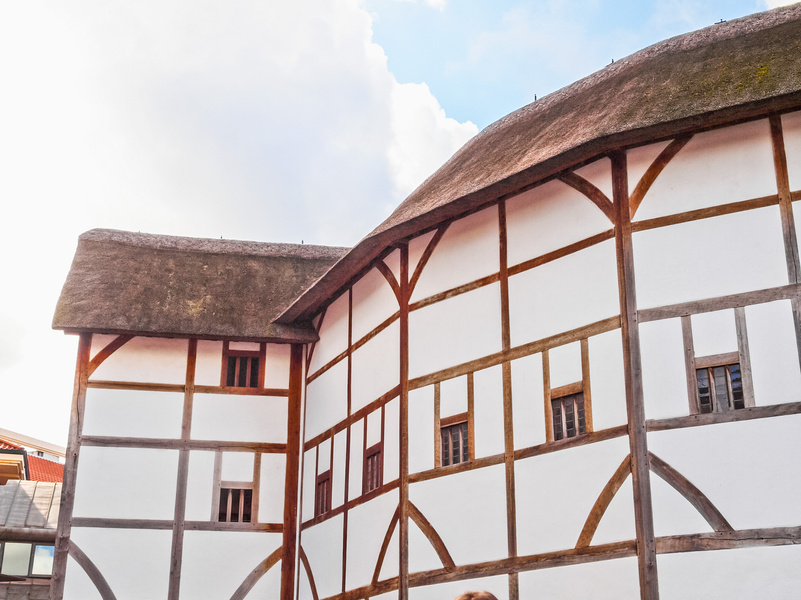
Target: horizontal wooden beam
177,444
742,414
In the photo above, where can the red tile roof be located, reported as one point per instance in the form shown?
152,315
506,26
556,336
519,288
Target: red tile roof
4,445
42,469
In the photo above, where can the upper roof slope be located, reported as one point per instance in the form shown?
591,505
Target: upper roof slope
734,70
122,282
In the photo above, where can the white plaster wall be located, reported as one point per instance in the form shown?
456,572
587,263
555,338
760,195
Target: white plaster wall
77,585
482,503
373,302
338,469
548,217
390,567
215,563
200,486
714,333
556,491
373,428
276,366
498,586
742,574
468,251
417,246
143,359
711,257
603,580
639,159
565,364
375,369
269,586
774,354
126,483
133,413
367,526
715,167
727,463
664,375
323,546
422,556
134,562
453,396
607,383
528,403
617,522
421,429
791,128
392,260
576,290
598,173
244,346
237,466
673,513
208,363
327,400
309,480
271,488
454,331
391,440
304,587
333,333
356,459
488,411
236,418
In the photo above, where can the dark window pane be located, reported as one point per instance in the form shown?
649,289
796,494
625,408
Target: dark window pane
230,379
721,387
235,499
738,399
465,445
455,441
704,396
254,372
242,376
223,516
556,408
570,418
248,502
446,452
582,422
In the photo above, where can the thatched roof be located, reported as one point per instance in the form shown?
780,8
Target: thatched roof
123,282
735,70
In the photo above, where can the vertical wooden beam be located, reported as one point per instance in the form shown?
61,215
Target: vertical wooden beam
289,555
745,355
471,437
586,388
508,417
347,442
689,363
176,555
546,395
403,508
437,427
71,466
632,367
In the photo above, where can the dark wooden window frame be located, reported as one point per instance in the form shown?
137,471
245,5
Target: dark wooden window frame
373,469
447,427
30,574
442,422
581,388
322,493
258,378
235,492
220,486
568,403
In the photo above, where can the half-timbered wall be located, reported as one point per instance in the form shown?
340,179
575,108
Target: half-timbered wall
614,282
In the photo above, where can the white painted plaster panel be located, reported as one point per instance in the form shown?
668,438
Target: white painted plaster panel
664,375
323,546
453,396
309,484
774,353
711,257
603,580
556,491
269,586
126,483
617,523
244,346
134,562
304,587
143,359
373,302
714,333
324,456
482,500
373,428
548,217
468,251
607,383
497,586
333,333
375,369
715,167
454,331
271,488
215,563
77,585
673,513
338,469
392,260
564,294
488,411
741,574
208,363
236,418
387,596
356,459
422,555
199,486
565,364
237,466
391,440
421,429
791,128
598,173
417,246
528,403
327,400
276,366
367,526
133,413
727,463
390,567
639,159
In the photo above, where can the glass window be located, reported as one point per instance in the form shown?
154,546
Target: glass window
16,559
455,444
720,388
43,560
569,419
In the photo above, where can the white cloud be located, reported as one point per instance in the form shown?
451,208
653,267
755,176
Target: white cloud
776,3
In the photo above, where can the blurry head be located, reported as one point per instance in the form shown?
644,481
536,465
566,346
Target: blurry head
476,596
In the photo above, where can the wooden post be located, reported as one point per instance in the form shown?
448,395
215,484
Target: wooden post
632,367
288,558
403,508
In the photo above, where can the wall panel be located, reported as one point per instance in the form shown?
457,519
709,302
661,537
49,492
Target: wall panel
271,488
200,486
132,413
77,585
664,374
774,353
356,459
373,302
239,418
276,366
528,403
143,359
208,364
375,369
333,333
603,580
327,400
607,384
791,125
673,513
421,429
323,546
367,525
498,586
488,409
391,440
309,478
338,469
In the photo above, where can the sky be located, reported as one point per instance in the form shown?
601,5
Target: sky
302,122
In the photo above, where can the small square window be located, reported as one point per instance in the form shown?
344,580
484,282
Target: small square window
373,468
568,415
242,370
455,443
16,559
235,505
720,388
42,564
322,496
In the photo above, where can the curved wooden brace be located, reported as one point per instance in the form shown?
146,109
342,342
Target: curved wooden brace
114,345
256,574
653,171
432,244
693,495
313,345
428,530
390,277
91,570
603,501
305,560
393,522
596,196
